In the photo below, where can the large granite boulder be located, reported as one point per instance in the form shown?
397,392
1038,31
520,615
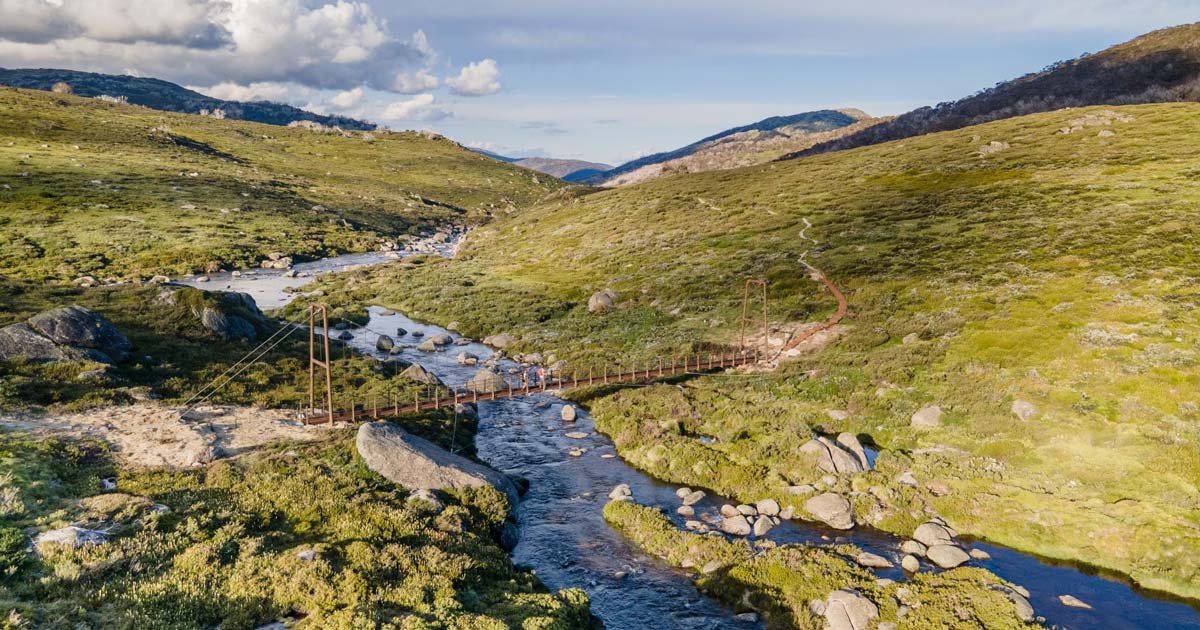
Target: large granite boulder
418,464
848,610
832,509
68,333
229,315
831,458
81,327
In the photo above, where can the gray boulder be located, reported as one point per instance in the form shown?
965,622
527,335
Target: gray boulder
831,458
499,341
441,339
946,556
736,525
568,413
384,343
1024,410
21,340
931,533
928,416
848,610
849,442
832,509
70,536
601,301
486,381
229,327
419,374
82,328
418,464
427,346
466,358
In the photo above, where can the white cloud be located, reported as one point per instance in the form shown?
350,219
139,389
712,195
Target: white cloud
258,91
476,79
322,44
419,107
419,81
347,99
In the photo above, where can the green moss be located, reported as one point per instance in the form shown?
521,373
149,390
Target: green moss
781,582
224,552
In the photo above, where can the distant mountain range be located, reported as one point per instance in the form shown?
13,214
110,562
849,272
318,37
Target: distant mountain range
756,143
167,96
568,170
1158,67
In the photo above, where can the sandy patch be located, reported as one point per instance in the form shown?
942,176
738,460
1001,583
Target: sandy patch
151,434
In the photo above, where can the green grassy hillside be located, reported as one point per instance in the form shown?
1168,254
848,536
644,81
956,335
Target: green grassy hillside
90,187
1048,258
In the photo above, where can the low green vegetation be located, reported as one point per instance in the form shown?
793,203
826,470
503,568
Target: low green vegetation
1046,259
301,531
174,356
781,582
118,191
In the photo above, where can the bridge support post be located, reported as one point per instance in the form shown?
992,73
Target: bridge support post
323,363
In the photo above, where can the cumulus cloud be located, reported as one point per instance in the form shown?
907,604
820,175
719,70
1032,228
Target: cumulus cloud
419,81
476,79
419,107
347,99
258,91
321,44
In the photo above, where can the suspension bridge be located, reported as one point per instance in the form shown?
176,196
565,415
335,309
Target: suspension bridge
498,386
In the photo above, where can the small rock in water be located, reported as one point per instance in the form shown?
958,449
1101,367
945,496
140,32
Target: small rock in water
576,435
913,547
400,332
747,510
568,413
686,511
1073,602
931,533
683,492
763,525
607,456
737,526
693,497
873,561
910,563
749,617
767,506
621,493
108,483
729,511
979,554
787,513
946,556
576,452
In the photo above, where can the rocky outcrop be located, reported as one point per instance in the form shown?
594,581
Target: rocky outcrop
848,610
501,340
71,536
229,315
65,334
928,416
601,301
831,458
421,375
1024,410
418,464
832,509
486,381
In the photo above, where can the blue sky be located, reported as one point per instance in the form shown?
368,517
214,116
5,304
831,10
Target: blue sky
606,80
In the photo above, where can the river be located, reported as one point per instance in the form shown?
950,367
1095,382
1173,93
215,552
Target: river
565,540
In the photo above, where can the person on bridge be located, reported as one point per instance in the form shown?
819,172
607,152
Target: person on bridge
541,372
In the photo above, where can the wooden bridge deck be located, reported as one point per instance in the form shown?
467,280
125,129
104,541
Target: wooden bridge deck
469,394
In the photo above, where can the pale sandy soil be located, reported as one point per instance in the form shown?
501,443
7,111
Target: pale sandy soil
151,434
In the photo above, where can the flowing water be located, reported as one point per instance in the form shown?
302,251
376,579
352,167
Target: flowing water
564,539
